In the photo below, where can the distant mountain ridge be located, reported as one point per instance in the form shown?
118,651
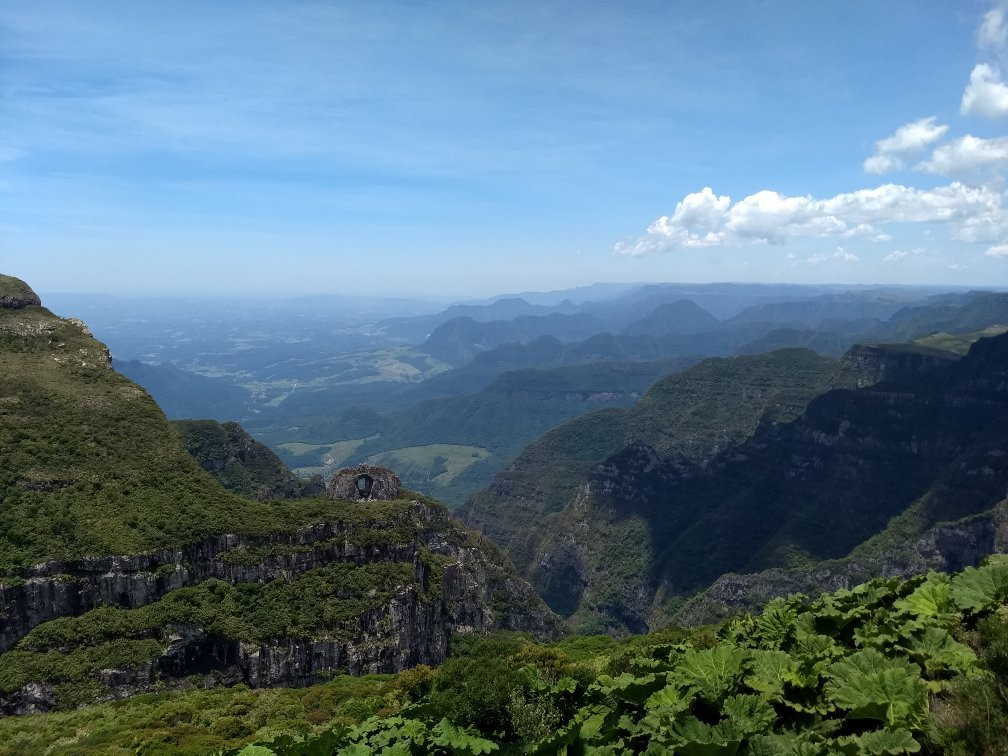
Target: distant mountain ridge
646,528
693,413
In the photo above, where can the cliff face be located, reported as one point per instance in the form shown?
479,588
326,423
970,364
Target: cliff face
647,529
125,567
15,294
454,582
946,547
866,364
692,414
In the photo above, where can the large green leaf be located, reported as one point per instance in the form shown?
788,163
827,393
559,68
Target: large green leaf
713,673
938,651
872,686
980,589
880,743
930,599
776,624
691,737
749,714
770,672
629,688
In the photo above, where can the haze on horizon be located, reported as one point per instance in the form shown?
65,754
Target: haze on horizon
459,150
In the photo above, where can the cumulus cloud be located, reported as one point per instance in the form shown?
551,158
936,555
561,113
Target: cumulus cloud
967,155
841,255
998,250
986,94
993,34
907,139
895,256
704,219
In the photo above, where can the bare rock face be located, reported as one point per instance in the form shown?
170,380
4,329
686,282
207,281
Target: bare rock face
459,583
15,294
377,483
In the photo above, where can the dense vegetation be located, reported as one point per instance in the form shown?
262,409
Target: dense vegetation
70,653
181,393
242,465
695,413
91,466
889,667
668,511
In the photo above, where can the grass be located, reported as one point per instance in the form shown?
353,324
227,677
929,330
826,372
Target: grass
438,464
92,467
959,342
318,459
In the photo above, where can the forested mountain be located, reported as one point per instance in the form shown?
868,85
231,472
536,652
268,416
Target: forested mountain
653,522
693,414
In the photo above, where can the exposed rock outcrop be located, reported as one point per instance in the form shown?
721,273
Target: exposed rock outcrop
15,294
379,482
947,547
470,587
866,364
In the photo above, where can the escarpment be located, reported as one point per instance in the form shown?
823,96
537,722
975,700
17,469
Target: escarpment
135,569
648,526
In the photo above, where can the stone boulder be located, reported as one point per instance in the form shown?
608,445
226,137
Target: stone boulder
384,484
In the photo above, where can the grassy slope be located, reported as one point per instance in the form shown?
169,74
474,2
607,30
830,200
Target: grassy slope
242,465
15,288
959,342
91,466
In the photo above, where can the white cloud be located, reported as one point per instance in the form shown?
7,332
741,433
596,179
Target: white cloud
895,256
913,137
993,34
841,255
986,95
907,139
998,250
882,164
704,219
967,155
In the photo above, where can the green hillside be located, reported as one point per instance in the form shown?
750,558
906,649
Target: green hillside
648,529
695,413
959,342
125,567
242,465
889,667
91,465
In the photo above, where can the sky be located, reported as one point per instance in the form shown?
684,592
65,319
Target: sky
462,149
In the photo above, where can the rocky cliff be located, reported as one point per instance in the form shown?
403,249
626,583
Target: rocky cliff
946,547
15,294
865,364
647,528
446,580
126,567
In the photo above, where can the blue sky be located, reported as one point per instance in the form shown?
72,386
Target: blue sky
471,148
